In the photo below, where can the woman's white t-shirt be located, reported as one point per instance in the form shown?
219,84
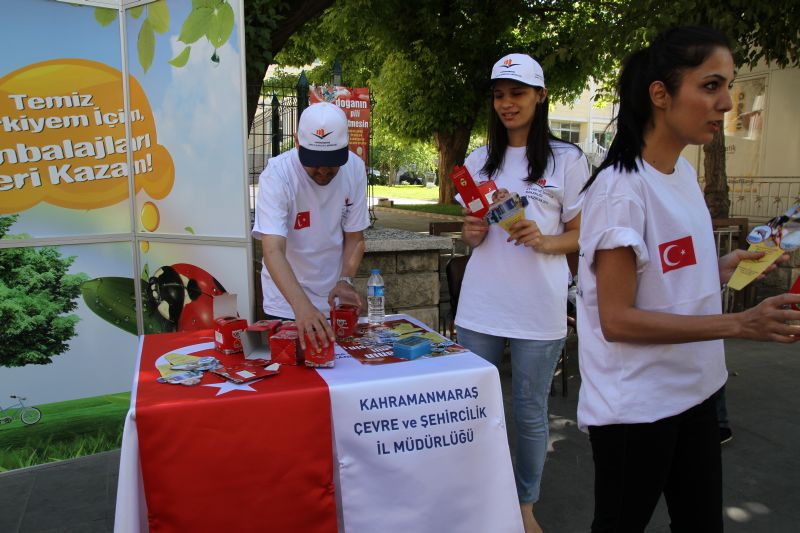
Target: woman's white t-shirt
513,291
664,220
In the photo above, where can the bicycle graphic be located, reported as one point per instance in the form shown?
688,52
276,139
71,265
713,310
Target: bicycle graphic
28,415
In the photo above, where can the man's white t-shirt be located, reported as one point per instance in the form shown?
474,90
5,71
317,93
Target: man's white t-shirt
312,218
664,220
513,291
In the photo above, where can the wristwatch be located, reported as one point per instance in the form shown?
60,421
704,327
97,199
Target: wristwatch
347,279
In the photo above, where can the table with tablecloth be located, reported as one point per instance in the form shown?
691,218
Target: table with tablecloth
412,446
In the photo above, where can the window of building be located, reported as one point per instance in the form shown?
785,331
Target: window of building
603,138
567,131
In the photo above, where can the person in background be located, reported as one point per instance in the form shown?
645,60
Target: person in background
649,307
515,284
311,213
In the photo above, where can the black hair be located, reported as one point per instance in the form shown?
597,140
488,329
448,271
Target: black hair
665,60
537,151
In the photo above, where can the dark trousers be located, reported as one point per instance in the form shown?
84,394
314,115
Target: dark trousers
678,456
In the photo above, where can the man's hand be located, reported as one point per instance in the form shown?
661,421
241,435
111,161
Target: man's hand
311,321
346,294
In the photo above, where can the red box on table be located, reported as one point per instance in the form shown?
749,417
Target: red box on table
344,320
228,327
321,357
285,347
255,339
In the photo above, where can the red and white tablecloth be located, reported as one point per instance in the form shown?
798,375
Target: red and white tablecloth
415,446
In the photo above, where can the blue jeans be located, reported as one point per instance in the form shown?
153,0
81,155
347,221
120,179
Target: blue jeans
532,367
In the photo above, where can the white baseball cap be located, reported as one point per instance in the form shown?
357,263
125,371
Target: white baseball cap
322,135
519,67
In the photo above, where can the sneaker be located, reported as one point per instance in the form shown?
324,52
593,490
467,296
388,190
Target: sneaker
725,435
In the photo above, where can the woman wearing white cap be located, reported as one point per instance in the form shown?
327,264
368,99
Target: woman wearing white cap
515,285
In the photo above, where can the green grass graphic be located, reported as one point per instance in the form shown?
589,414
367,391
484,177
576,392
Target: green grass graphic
67,430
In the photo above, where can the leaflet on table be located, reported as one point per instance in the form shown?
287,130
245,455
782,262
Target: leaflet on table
246,371
372,344
776,237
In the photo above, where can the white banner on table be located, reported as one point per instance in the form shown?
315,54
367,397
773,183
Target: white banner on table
435,431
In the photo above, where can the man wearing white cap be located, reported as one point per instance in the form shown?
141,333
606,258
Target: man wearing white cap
311,214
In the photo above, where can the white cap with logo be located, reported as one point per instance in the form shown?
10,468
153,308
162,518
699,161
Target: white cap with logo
519,67
322,135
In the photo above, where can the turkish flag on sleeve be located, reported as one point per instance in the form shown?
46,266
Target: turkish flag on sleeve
677,254
303,220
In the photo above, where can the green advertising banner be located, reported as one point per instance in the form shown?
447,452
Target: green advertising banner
122,181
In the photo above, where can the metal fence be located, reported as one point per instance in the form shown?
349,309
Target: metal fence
761,198
272,131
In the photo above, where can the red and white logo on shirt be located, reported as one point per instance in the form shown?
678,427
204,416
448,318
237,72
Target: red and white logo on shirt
677,254
303,220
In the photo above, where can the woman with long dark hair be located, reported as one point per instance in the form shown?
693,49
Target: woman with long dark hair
649,310
515,285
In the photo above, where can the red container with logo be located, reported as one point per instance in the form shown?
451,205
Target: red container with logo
322,357
285,347
344,320
227,333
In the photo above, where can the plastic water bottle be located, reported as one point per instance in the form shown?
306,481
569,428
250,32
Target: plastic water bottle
375,300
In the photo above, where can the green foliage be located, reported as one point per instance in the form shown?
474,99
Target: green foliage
36,297
105,16
146,45
212,19
390,154
261,19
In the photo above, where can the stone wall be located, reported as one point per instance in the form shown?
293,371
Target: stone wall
409,264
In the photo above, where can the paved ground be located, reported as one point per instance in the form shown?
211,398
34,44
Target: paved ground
761,464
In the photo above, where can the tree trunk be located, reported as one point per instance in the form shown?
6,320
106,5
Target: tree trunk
716,190
452,147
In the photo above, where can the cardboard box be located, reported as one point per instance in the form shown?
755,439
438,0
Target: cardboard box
255,339
285,349
228,327
322,357
344,320
477,198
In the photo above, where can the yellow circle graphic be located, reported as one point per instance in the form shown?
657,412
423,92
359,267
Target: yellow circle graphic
150,216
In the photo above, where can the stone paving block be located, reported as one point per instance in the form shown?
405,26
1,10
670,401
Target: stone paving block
417,261
385,261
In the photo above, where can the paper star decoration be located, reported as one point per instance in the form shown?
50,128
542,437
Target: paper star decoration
227,386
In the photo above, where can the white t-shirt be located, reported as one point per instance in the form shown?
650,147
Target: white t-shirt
664,219
513,291
312,218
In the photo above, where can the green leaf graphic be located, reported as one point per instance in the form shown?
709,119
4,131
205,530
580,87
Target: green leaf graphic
136,12
196,24
158,16
146,272
189,229
205,3
181,59
105,16
146,45
221,25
